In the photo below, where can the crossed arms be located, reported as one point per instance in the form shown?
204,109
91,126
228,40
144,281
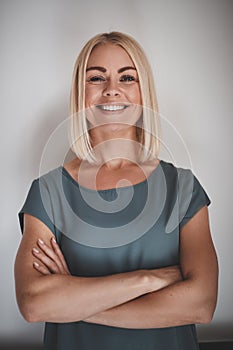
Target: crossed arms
171,296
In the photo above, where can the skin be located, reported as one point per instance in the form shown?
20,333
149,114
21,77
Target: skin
175,295
185,300
112,79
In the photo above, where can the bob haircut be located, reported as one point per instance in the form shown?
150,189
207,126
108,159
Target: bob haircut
148,133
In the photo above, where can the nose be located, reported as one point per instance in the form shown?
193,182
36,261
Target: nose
111,89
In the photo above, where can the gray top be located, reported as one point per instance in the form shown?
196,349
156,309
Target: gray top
117,230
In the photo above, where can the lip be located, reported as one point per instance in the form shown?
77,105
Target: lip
112,107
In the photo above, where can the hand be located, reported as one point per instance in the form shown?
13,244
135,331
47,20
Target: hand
51,258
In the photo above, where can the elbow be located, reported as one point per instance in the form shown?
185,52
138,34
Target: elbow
29,315
206,311
204,302
205,317
28,308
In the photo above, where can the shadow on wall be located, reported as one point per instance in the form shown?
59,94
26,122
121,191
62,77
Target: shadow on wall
219,331
203,346
49,121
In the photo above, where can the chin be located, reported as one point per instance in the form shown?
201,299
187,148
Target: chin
114,127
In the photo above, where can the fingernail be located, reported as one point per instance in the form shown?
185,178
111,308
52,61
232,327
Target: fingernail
36,264
54,240
35,250
40,241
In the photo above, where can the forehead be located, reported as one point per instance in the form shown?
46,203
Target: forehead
109,56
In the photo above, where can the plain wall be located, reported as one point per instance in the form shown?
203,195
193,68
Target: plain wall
189,45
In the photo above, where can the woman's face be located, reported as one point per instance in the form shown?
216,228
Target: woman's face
112,88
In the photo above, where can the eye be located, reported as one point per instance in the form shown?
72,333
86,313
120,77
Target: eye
128,78
96,79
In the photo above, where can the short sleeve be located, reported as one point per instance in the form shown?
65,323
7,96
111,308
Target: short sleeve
36,206
193,198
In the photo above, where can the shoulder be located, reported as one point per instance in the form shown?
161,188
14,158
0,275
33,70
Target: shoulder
185,190
172,168
47,182
177,175
185,182
49,175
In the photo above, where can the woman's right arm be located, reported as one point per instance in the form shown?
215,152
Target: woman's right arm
66,298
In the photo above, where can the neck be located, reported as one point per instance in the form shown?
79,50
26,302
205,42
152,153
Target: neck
118,151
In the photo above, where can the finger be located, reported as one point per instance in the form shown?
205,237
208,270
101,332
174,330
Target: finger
40,268
49,252
59,254
47,261
55,264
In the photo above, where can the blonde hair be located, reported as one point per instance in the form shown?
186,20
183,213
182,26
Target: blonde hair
150,130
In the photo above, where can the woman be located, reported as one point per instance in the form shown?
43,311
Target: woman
116,249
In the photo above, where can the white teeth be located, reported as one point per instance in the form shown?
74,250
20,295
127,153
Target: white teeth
111,107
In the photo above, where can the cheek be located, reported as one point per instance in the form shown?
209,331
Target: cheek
88,97
136,96
91,94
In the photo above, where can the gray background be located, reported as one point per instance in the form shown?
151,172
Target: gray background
189,45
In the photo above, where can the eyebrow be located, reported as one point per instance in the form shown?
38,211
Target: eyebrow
103,70
125,68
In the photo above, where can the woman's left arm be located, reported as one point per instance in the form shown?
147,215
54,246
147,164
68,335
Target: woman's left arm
192,300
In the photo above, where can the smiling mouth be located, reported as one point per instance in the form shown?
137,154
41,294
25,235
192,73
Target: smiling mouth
112,108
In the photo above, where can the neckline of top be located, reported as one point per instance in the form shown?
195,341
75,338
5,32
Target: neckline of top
67,174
